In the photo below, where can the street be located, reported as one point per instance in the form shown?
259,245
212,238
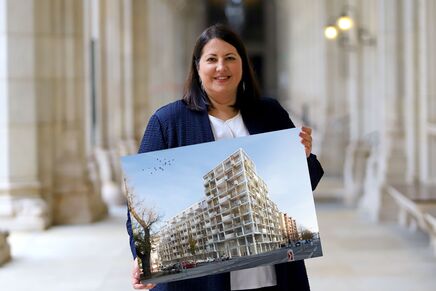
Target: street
278,256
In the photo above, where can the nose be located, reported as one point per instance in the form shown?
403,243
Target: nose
220,65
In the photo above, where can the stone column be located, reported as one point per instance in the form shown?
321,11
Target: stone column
387,160
167,50
62,112
270,48
114,77
142,110
361,68
427,91
283,44
22,204
5,252
313,80
411,100
423,84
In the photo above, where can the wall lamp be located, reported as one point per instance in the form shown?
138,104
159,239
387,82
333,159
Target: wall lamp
348,34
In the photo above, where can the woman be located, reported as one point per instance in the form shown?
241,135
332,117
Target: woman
222,100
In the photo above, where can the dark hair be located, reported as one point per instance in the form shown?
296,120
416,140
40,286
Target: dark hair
248,88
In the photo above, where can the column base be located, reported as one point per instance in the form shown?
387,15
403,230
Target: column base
23,213
5,251
356,157
78,208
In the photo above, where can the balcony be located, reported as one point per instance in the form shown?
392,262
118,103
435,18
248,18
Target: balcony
229,236
227,218
224,199
219,172
221,180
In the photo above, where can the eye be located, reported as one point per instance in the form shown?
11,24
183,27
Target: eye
211,60
231,58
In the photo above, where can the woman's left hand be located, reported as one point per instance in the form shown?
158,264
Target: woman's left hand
306,139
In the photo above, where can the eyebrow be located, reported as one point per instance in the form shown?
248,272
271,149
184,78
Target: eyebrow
213,54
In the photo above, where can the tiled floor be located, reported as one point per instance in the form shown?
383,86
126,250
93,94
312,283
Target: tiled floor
357,256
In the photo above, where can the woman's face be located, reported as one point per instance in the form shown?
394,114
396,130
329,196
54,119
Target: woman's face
220,71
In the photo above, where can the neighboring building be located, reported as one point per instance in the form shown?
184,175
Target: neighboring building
289,225
236,218
154,255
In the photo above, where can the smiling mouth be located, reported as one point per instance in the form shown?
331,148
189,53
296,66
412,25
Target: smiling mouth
223,78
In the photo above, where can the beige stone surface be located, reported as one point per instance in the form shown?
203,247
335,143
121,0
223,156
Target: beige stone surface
5,253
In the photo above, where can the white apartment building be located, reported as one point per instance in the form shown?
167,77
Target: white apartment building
237,218
182,233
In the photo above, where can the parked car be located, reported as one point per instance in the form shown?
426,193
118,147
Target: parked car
173,268
225,258
188,264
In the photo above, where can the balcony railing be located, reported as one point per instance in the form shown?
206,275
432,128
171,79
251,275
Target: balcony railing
227,218
224,199
229,236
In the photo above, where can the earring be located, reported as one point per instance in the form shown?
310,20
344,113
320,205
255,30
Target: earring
243,86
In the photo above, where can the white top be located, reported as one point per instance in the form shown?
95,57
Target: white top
259,277
231,128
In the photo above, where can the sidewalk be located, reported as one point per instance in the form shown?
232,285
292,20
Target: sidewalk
357,256
362,256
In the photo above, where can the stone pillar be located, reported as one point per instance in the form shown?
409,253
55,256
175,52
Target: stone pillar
5,252
283,44
387,160
411,100
115,38
22,204
270,48
303,67
142,110
62,111
423,84
361,68
307,58
427,91
116,72
173,27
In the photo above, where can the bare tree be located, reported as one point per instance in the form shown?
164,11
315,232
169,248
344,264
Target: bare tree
146,217
306,234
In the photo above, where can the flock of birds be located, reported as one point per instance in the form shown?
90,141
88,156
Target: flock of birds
162,165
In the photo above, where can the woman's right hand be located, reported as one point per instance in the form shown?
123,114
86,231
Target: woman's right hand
136,277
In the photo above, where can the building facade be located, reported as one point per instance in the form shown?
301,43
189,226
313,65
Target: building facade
236,218
289,226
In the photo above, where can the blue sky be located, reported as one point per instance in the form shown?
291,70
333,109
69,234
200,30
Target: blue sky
172,180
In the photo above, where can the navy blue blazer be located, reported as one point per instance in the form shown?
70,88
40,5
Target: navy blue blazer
176,125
